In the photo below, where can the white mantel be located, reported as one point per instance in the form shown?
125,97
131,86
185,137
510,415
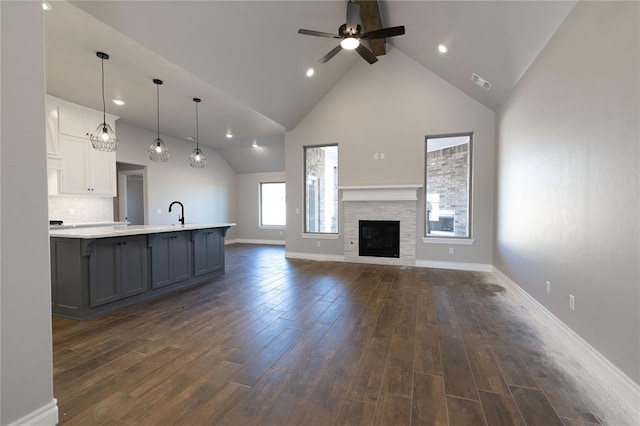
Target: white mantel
380,192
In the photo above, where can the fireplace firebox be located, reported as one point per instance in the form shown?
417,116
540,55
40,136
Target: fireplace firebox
379,238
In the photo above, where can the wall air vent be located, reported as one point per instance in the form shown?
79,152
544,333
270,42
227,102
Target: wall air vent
480,82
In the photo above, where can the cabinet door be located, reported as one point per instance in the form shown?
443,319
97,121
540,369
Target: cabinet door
207,251
200,253
134,265
74,122
104,272
73,176
103,173
181,256
160,260
215,249
53,143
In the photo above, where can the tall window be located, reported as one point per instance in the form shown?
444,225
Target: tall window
448,186
321,189
273,208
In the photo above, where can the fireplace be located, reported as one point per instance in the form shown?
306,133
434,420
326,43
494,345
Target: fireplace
379,238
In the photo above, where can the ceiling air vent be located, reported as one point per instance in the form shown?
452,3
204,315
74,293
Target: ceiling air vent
480,81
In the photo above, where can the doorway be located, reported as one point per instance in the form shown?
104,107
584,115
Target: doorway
130,204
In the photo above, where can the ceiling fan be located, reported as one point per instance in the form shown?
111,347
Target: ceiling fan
350,35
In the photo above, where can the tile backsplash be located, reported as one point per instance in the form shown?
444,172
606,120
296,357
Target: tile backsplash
84,209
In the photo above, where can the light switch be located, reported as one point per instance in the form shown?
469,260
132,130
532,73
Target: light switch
382,155
375,156
158,210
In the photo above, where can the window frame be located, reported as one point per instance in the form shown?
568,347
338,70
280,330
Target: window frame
260,224
450,239
316,234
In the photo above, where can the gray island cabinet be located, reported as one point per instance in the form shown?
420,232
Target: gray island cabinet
98,270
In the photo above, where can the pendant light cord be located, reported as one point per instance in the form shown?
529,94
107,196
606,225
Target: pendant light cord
104,105
197,135
158,108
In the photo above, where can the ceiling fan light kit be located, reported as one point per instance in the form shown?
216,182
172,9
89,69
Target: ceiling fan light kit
103,138
351,36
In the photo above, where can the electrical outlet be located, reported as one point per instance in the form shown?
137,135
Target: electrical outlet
297,211
548,287
375,156
572,302
72,212
451,250
158,210
382,155
317,243
281,233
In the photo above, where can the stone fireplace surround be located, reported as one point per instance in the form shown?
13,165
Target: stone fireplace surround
384,202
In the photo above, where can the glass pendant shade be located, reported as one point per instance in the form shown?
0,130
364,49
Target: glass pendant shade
158,150
197,159
104,138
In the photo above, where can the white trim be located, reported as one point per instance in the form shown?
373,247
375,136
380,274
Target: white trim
43,416
439,240
272,227
228,241
314,256
460,266
619,388
265,242
319,236
380,193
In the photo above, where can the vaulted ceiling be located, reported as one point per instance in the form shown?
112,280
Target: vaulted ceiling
247,62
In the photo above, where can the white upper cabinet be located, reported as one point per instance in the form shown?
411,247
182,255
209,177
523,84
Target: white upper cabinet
82,170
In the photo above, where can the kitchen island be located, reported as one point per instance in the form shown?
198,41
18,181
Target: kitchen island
95,270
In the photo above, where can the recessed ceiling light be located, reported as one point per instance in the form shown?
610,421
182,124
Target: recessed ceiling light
442,48
229,135
254,144
310,72
46,5
118,102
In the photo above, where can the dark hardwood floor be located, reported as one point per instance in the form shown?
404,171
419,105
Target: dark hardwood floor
279,342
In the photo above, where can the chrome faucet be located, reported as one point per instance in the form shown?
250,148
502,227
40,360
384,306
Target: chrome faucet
180,219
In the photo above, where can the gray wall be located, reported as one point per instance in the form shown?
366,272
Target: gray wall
26,372
390,107
567,179
248,208
208,195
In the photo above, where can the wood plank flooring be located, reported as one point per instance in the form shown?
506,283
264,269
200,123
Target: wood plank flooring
294,342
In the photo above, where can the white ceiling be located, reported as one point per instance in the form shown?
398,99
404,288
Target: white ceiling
247,62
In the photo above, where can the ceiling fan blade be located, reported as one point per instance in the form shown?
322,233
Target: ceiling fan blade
317,33
384,32
331,54
353,13
366,54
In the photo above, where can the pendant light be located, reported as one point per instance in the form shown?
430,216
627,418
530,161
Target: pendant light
158,150
197,159
103,138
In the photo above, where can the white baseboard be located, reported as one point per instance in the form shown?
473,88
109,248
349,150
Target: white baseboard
314,256
618,386
43,416
460,266
251,241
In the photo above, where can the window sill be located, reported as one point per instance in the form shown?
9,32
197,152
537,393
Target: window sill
441,240
272,227
319,236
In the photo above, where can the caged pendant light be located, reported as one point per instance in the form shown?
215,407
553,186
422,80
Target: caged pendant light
103,138
197,158
158,150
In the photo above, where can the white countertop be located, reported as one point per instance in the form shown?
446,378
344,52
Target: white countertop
86,224
123,230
